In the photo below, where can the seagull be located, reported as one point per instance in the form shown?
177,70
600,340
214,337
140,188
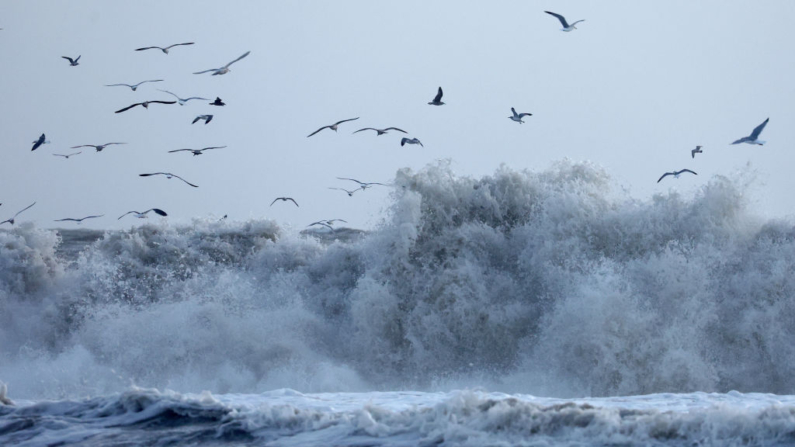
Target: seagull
695,151
223,218
168,176
68,155
135,86
206,118
11,221
333,126
225,68
566,26
437,101
145,104
676,174
381,131
363,185
164,50
98,147
284,199
350,193
77,220
321,222
518,116
197,151
753,138
182,101
217,102
405,141
144,214
72,62
42,140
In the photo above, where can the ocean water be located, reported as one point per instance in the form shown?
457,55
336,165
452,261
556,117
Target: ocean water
660,321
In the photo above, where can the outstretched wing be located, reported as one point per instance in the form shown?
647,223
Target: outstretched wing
196,97
128,108
128,212
181,150
83,145
366,128
205,71
166,91
578,21
345,121
759,129
686,170
157,211
324,127
178,44
191,184
71,61
522,115
213,147
560,17
665,175
28,207
351,179
148,48
241,57
119,85
292,200
395,128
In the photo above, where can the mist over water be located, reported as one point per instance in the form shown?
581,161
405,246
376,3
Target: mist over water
552,282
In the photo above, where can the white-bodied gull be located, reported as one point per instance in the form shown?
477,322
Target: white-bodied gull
333,126
695,151
363,185
11,221
98,147
80,220
350,193
676,174
225,68
72,62
144,214
206,118
134,87
169,176
437,100
197,151
381,131
42,140
566,26
66,155
164,50
754,137
145,105
182,101
284,199
518,116
406,141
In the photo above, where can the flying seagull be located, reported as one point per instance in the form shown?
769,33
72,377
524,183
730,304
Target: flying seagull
77,220
164,50
327,223
67,155
168,176
145,104
98,147
217,102
566,26
11,221
437,101
333,126
197,151
134,87
753,138
144,214
363,185
225,68
518,116
695,151
284,199
182,101
381,131
676,174
42,140
350,193
72,62
405,141
206,118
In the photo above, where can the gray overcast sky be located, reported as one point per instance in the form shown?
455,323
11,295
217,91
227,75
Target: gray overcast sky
635,88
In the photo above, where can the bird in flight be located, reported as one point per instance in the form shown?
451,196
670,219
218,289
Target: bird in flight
98,147
695,151
437,100
182,101
42,140
327,223
333,126
145,104
144,214
284,199
754,137
350,193
164,50
566,26
134,87
381,131
67,155
80,220
217,102
676,174
206,118
197,151
363,185
169,176
518,116
225,69
11,221
72,62
405,141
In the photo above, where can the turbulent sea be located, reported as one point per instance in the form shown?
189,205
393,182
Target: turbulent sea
667,321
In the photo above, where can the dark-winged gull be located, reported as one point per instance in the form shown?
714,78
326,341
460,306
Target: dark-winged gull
72,62
350,193
363,185
225,68
518,116
164,50
676,174
754,137
169,176
66,155
695,151
182,101
145,105
566,26
406,141
11,221
284,199
333,126
42,140
144,214
206,118
197,151
381,131
134,87
218,102
437,100
80,220
98,147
